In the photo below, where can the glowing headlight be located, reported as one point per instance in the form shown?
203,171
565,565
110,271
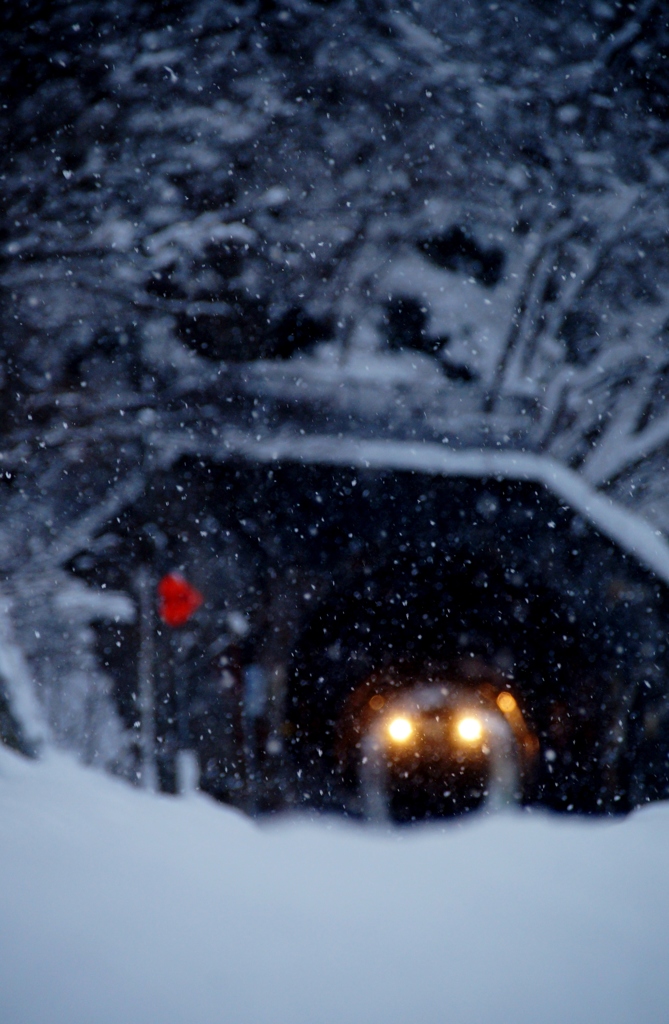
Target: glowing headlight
400,729
470,729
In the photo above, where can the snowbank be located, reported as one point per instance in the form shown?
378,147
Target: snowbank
118,907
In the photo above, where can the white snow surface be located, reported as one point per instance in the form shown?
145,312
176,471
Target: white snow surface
121,907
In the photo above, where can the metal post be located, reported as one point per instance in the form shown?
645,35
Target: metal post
186,766
180,694
145,668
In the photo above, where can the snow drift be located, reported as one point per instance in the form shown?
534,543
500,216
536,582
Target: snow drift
118,906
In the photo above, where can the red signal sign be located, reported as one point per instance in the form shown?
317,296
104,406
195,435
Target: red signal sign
177,600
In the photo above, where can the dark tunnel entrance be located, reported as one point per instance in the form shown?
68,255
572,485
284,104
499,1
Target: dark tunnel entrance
481,584
353,585
460,621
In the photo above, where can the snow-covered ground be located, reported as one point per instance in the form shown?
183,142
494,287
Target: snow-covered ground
118,907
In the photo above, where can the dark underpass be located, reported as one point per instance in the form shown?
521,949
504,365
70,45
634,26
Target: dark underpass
331,594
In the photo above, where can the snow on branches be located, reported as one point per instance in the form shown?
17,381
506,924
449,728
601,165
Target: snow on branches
437,222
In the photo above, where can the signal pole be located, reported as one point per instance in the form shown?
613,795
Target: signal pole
145,669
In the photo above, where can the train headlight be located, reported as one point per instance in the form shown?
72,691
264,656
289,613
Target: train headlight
470,729
400,729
